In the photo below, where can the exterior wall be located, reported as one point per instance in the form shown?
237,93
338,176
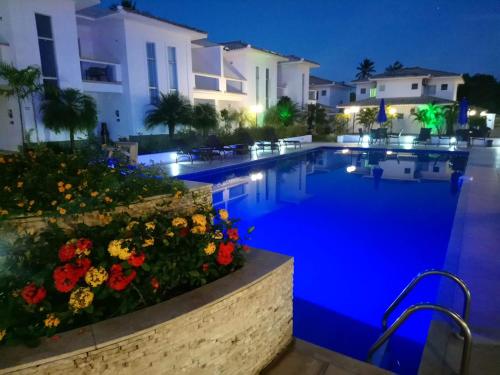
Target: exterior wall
19,28
451,92
234,325
290,76
334,95
399,87
363,85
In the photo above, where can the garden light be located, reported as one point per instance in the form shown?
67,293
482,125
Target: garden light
350,168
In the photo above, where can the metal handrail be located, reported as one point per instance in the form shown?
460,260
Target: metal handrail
465,330
415,281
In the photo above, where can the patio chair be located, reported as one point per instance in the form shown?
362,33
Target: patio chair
395,136
463,135
382,135
291,142
183,152
361,135
213,142
479,133
374,136
423,137
271,143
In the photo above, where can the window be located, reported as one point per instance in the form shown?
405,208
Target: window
267,88
444,86
407,170
323,92
47,49
373,93
363,91
381,88
173,84
257,85
400,116
303,87
414,86
152,73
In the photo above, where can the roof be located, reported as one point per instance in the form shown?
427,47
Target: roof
98,12
318,81
375,102
293,58
415,71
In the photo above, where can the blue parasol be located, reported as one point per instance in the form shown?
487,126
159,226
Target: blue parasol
462,112
381,116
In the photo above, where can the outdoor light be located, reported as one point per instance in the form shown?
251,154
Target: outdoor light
389,152
453,140
350,168
256,176
366,139
345,151
472,112
256,108
392,111
483,113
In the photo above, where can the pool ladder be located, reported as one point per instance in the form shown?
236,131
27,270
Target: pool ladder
460,321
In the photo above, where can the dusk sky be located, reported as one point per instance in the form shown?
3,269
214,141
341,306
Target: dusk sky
461,36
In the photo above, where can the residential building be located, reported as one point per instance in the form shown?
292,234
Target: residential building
405,90
125,58
329,93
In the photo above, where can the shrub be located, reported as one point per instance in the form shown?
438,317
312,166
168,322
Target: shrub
43,182
59,281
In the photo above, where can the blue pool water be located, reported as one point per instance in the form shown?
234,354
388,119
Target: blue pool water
357,237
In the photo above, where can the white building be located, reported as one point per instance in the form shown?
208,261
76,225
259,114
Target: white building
328,93
405,90
126,58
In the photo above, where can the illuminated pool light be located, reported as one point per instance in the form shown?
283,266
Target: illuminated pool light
389,152
350,168
345,151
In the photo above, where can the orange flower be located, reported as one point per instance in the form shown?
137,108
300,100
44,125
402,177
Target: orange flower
68,197
94,194
108,199
62,211
68,186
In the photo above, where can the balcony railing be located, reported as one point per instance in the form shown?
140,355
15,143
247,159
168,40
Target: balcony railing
212,82
100,71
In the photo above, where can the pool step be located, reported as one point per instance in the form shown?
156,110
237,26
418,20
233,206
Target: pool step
303,358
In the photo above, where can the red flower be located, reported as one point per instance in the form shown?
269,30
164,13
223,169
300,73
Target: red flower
66,277
204,267
155,283
233,234
67,252
118,280
136,260
183,232
225,254
32,294
84,244
82,266
246,248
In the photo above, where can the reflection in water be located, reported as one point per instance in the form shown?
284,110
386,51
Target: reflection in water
358,235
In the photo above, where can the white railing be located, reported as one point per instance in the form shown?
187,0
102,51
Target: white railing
94,70
214,82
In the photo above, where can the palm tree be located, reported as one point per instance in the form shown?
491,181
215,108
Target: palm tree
367,117
69,110
365,69
170,110
451,118
430,116
287,111
22,84
204,117
419,116
397,65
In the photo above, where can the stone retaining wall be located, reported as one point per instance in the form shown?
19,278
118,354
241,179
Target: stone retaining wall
235,325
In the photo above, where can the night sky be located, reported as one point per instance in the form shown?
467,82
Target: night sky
461,36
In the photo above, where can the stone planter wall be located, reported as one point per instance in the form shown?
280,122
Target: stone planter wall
198,194
235,325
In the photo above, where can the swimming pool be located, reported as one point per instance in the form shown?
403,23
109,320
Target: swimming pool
360,226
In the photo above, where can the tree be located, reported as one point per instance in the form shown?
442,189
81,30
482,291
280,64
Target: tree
229,116
481,90
287,111
170,110
367,117
394,67
419,116
365,69
204,118
451,118
69,110
316,116
22,84
430,116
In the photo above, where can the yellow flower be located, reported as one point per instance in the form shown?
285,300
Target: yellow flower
148,242
105,219
80,298
198,229
199,219
61,189
108,199
223,214
95,276
218,235
150,225
131,225
94,194
20,184
82,205
116,248
210,249
169,233
68,186
62,211
179,222
68,197
3,332
52,321
178,195
20,204
3,212
31,202
53,203
60,183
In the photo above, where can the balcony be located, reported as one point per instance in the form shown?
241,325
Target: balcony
100,76
212,86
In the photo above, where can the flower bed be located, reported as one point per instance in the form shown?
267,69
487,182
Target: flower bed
60,280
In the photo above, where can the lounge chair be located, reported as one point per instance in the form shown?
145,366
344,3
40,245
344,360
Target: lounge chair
361,135
463,135
291,142
218,149
184,152
382,135
395,136
423,137
479,133
374,136
271,143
